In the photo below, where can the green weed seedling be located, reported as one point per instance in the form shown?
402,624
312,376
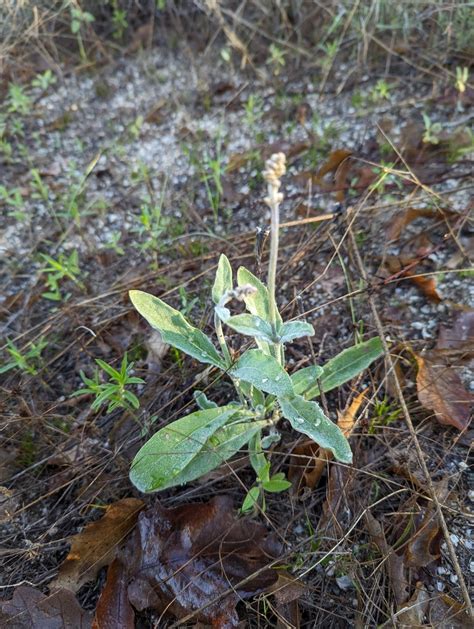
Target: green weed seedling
265,392
80,19
113,393
432,130
44,80
29,362
65,267
18,100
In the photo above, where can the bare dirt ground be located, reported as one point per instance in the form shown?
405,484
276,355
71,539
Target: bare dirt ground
148,169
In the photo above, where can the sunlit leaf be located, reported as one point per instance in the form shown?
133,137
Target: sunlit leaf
251,325
340,369
263,372
160,462
223,281
174,328
307,417
295,330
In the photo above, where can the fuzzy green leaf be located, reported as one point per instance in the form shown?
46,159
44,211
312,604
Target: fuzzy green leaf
251,325
263,372
258,303
305,379
223,281
160,462
340,369
295,330
174,328
308,417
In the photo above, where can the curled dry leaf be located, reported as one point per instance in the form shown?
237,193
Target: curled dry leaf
441,390
31,609
407,267
394,563
405,217
424,547
96,545
412,613
197,561
113,608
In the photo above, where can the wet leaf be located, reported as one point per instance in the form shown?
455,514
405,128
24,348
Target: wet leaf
190,447
198,560
113,607
308,461
308,417
340,369
96,545
31,609
446,613
174,328
441,390
263,372
295,330
250,325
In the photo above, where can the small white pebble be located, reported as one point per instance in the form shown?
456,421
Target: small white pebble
453,578
454,539
439,586
441,570
463,466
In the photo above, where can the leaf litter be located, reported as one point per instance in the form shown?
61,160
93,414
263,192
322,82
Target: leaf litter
332,508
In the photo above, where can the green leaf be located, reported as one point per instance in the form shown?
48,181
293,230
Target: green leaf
174,328
275,486
263,372
160,463
295,330
340,369
251,500
305,379
223,281
202,400
258,303
223,444
251,325
308,417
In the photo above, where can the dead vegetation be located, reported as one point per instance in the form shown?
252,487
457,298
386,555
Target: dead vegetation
134,169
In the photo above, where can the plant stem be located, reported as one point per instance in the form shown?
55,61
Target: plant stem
222,341
272,269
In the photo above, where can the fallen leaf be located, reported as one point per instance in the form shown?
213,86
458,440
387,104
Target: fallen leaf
441,390
394,564
96,545
333,162
346,419
31,609
287,591
446,613
306,465
405,217
198,561
406,267
157,350
412,614
424,546
113,607
459,339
